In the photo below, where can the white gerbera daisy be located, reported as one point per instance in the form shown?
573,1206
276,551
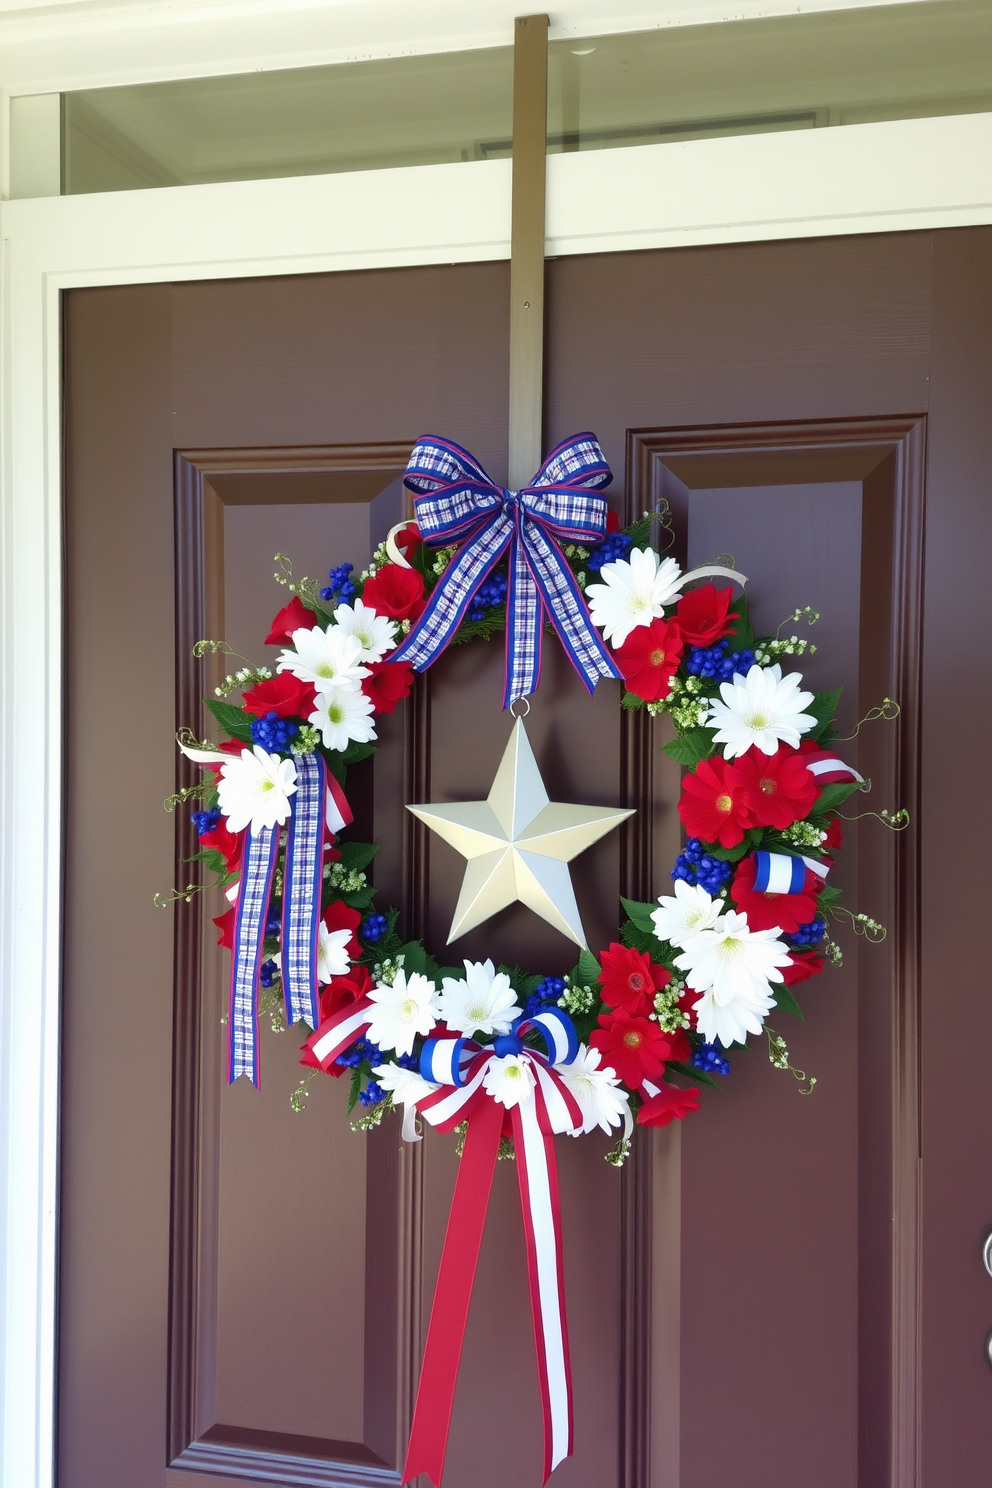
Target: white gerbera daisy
326,658
376,633
481,1002
691,910
634,592
255,789
406,1086
342,716
510,1080
732,966
332,953
402,1011
761,710
601,1101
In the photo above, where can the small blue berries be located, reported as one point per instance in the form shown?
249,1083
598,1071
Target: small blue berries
273,733
268,973
708,1058
374,927
809,934
372,1094
715,664
695,866
490,595
360,1049
615,545
340,587
546,994
206,821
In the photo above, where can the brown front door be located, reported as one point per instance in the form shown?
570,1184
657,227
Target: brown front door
789,1288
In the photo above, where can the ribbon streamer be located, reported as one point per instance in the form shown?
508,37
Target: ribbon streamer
302,885
456,501
829,769
784,873
253,901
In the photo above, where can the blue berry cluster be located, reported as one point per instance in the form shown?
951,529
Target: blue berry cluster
268,973
809,934
544,995
490,595
272,732
408,1062
205,821
715,663
615,545
695,866
374,927
360,1049
273,925
708,1057
372,1094
340,586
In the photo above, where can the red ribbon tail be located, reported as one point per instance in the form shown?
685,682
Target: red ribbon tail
449,1314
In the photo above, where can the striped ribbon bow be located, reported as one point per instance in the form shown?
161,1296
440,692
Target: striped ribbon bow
457,502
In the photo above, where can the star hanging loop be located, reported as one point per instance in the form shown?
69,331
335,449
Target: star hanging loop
518,844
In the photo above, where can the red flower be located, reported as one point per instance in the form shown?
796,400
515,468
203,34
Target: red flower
630,979
387,683
633,1046
284,695
765,911
800,968
394,591
670,1104
225,924
294,616
835,833
342,991
777,789
701,615
229,844
649,658
340,916
408,538
612,522
712,805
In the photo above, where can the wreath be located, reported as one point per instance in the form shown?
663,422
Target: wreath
504,1057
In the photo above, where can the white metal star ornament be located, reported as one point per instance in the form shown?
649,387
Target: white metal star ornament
518,844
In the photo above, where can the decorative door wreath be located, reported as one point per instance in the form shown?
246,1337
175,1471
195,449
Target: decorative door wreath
505,1059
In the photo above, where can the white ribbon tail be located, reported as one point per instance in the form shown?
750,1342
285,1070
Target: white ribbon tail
712,571
395,555
410,1132
206,756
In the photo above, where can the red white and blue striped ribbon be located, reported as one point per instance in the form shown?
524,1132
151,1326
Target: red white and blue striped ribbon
302,885
783,873
456,501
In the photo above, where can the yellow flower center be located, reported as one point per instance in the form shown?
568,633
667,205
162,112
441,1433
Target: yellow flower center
632,1039
757,720
657,657
324,669
513,1072
769,786
730,949
724,804
267,785
408,1009
335,713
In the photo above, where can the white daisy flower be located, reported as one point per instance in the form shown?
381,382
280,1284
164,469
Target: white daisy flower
326,658
342,716
601,1101
634,592
510,1080
691,910
732,966
376,633
402,1011
332,954
255,789
761,710
481,1002
406,1086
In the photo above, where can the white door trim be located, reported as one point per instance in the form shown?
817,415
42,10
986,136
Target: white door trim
914,174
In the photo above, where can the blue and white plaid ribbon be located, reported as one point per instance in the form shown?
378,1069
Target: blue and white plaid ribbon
456,501
303,881
249,934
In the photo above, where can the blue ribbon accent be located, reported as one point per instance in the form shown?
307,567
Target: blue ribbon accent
257,873
778,873
303,883
456,501
441,1059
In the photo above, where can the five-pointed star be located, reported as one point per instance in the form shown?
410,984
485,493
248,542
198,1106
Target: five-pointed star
518,844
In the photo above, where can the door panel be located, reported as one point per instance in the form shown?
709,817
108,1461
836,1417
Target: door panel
244,1290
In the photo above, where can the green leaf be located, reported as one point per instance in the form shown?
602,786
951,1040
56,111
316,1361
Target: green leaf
692,1072
456,973
588,969
641,940
731,854
357,855
414,957
832,796
785,1000
690,748
230,718
632,702
742,637
212,858
355,1091
823,707
639,913
356,752
357,898
829,894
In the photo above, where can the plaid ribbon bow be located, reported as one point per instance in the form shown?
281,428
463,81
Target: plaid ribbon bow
456,501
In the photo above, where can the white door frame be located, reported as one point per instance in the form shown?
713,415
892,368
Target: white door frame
912,174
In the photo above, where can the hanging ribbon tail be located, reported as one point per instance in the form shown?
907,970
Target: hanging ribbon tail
453,593
339,1032
338,813
537,1174
254,891
302,886
712,571
449,1314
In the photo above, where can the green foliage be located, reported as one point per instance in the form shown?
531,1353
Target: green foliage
631,702
338,760
642,940
231,719
750,840
356,1088
785,1000
832,796
742,637
689,748
213,859
357,855
693,1073
823,707
639,913
588,970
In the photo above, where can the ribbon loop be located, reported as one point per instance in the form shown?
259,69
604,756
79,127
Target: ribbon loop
456,501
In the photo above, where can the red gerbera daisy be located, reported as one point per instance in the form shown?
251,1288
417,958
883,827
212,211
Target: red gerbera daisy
800,968
395,591
702,616
630,979
712,805
766,911
670,1104
633,1046
285,695
649,658
340,916
778,788
387,683
294,616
